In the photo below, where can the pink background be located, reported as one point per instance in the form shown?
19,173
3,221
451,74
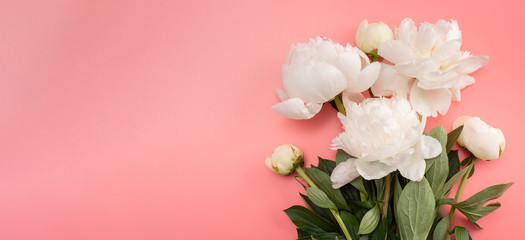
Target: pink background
152,119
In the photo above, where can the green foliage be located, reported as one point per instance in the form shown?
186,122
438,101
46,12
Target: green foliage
319,198
323,212
452,137
369,221
342,156
461,233
325,165
485,195
308,221
453,163
351,224
414,209
437,172
322,180
441,230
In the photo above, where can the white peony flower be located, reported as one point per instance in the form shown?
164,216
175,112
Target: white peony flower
484,141
371,36
284,159
384,135
317,71
427,65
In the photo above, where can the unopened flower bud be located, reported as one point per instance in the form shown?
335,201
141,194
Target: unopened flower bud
285,159
482,140
371,36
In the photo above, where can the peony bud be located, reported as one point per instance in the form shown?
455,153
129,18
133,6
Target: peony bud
371,36
284,159
482,140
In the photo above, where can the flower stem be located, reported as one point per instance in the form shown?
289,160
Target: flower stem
301,173
339,104
387,196
371,93
335,212
460,187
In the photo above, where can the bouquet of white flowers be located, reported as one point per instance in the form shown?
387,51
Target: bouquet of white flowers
390,179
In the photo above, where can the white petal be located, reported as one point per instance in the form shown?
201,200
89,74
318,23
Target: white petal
316,82
501,140
456,94
453,32
352,97
442,27
396,51
268,162
366,78
464,81
459,121
429,102
471,126
417,67
372,170
437,80
426,38
414,166
407,32
281,94
415,170
295,108
430,147
447,51
471,64
484,145
389,82
360,34
344,173
349,63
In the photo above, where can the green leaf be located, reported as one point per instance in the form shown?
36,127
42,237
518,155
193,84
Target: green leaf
438,171
325,165
342,156
452,137
351,223
302,234
453,163
415,210
441,230
380,232
484,196
467,160
461,233
358,183
472,171
323,212
323,182
446,201
319,198
450,183
473,214
380,186
397,193
366,204
328,236
308,221
369,221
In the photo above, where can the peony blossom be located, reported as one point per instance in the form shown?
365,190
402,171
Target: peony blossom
384,135
482,140
427,65
371,36
284,159
317,71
